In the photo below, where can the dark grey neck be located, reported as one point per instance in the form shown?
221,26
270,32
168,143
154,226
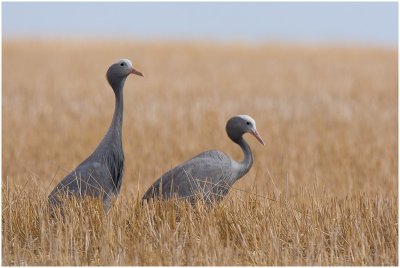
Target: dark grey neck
245,165
113,138
116,124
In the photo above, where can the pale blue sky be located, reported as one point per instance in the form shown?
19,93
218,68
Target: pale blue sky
365,23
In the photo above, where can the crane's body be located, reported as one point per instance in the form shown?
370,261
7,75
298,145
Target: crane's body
189,181
209,175
100,175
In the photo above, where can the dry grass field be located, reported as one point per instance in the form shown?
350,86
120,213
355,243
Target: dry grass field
323,191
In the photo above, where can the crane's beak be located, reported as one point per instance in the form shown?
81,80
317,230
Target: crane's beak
257,135
133,71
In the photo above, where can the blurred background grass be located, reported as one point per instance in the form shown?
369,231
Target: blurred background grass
327,114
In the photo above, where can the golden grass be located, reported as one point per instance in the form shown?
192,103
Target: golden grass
328,116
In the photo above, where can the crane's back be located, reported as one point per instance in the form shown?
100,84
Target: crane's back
207,176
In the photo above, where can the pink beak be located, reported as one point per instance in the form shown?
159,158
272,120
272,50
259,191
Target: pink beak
136,72
258,137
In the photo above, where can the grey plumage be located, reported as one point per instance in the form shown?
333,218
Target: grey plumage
100,175
209,175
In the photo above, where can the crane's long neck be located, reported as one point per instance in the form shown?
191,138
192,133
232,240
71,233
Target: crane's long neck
245,165
116,124
113,138
115,130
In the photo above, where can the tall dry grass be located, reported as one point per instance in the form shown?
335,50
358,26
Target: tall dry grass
328,116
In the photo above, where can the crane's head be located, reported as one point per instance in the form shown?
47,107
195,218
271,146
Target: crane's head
241,124
119,71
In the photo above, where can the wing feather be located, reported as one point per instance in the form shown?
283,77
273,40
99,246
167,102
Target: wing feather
206,175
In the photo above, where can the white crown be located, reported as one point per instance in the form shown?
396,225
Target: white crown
248,118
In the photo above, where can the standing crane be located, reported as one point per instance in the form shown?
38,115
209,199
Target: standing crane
100,175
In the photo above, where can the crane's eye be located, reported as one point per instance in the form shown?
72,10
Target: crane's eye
248,123
122,64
